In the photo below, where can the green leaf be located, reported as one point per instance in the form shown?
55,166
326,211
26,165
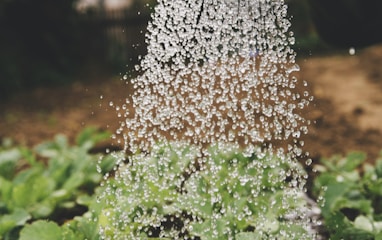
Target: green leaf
377,226
271,224
60,195
21,195
28,174
248,236
355,234
69,234
336,223
331,164
35,189
332,195
8,160
47,150
61,141
363,205
41,230
5,190
74,181
68,204
378,167
353,160
87,227
90,136
29,156
42,209
94,177
201,230
109,161
59,169
364,223
17,218
378,236
84,200
12,155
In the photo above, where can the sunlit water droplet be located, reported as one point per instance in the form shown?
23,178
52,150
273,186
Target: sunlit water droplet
352,51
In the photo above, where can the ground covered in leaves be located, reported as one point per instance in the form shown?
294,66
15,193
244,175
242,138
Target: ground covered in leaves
346,113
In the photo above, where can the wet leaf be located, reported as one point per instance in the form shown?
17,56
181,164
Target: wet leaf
248,236
41,230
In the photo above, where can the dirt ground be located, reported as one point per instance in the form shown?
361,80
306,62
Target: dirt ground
346,112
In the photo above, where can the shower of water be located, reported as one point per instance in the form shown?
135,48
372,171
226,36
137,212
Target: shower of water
218,73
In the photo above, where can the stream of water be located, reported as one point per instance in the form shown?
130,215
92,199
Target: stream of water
220,75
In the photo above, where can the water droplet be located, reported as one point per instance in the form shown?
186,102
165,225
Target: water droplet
308,162
352,51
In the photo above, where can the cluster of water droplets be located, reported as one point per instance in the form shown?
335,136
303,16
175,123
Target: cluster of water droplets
218,73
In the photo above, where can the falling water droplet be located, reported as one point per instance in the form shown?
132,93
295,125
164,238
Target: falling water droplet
352,51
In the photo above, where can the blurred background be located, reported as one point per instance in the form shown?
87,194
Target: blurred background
53,42
61,62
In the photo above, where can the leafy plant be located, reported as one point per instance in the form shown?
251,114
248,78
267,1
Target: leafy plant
351,194
175,191
46,191
170,194
178,192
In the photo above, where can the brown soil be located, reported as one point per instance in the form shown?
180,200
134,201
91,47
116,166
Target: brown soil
346,112
348,106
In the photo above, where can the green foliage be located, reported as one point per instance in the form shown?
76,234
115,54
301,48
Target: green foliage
157,195
351,193
169,194
166,190
77,229
41,230
41,190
